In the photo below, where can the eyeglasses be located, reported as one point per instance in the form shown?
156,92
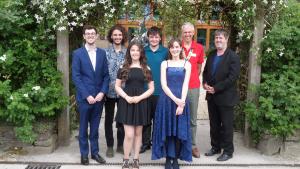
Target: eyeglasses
90,34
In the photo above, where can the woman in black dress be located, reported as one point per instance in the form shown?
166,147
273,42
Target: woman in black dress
133,107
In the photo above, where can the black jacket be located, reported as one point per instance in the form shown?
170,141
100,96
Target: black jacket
224,79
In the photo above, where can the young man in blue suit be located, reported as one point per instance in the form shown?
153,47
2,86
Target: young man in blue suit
91,78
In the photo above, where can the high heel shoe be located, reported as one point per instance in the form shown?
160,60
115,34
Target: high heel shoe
125,164
135,164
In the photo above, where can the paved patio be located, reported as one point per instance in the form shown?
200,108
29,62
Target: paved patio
69,156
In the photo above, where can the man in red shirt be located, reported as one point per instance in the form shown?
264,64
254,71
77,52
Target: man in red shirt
194,53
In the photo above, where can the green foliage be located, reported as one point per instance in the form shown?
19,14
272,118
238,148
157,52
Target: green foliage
174,13
278,110
30,84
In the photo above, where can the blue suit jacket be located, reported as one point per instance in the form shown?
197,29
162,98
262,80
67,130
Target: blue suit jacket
87,81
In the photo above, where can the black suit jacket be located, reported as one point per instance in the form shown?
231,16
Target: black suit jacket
224,79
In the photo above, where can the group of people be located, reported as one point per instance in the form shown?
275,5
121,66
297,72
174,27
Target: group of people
154,85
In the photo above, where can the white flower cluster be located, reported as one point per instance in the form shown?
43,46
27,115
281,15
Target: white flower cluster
64,17
3,58
248,10
25,95
36,88
281,53
238,1
265,2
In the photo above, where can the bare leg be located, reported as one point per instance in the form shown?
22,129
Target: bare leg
137,141
128,140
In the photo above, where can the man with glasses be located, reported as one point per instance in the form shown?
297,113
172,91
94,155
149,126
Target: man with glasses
90,76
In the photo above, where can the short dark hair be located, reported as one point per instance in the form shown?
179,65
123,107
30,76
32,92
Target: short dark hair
222,32
86,27
154,30
120,28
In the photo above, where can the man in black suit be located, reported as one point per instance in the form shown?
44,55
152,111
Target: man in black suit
220,75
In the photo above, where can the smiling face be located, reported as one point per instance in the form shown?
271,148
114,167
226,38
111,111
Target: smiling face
221,42
90,36
154,39
187,33
117,37
175,50
135,53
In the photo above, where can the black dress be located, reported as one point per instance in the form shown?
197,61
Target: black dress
134,114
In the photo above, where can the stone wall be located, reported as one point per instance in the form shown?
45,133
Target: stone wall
46,141
289,148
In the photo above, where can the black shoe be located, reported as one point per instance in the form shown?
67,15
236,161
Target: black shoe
168,164
98,158
145,148
224,157
175,164
212,152
84,160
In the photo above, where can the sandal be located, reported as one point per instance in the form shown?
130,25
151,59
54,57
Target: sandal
135,164
125,164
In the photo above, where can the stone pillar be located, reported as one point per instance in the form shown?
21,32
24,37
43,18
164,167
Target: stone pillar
254,71
63,66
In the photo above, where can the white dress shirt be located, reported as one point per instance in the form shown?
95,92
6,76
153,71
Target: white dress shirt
92,54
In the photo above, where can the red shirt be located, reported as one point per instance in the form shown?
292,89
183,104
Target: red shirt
197,57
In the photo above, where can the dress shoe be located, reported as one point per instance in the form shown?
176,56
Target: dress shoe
212,152
84,160
120,149
224,157
144,148
195,153
98,158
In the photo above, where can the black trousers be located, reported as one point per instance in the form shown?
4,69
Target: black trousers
147,129
221,126
110,104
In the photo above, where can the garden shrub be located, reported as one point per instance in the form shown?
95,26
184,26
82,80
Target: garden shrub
278,109
30,84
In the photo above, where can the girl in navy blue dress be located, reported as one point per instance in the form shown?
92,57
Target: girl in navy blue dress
133,107
171,135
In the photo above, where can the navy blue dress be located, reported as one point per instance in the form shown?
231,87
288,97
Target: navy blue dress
167,126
